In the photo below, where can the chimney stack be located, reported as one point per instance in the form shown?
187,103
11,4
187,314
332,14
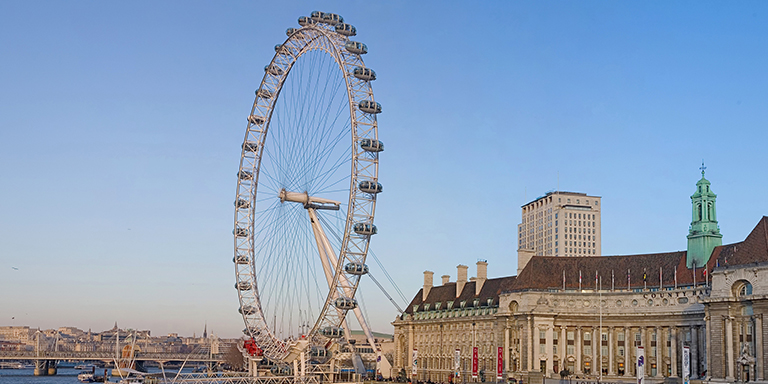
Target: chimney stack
446,279
427,284
461,278
482,276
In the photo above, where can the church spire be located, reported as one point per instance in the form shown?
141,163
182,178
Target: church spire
704,233
205,331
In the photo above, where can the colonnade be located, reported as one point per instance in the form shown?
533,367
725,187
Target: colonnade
585,350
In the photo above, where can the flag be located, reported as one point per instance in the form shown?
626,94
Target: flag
612,281
563,279
675,278
629,279
595,280
579,279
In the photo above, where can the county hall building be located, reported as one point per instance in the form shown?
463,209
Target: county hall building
588,314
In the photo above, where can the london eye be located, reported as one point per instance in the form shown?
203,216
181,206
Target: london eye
306,192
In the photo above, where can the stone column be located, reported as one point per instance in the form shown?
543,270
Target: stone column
673,352
507,330
644,343
627,352
550,356
708,338
759,346
531,339
660,371
694,351
578,351
729,360
563,346
596,362
611,370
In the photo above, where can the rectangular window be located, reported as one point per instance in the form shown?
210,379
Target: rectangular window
570,349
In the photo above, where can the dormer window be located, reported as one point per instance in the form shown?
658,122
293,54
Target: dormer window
426,307
463,303
437,306
490,302
449,305
415,308
476,303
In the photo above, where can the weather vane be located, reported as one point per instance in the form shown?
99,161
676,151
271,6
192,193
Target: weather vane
702,168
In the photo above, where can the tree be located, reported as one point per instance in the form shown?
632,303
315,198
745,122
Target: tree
234,358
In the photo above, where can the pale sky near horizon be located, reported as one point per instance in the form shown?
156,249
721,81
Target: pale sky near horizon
121,125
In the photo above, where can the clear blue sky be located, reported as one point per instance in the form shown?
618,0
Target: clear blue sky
120,127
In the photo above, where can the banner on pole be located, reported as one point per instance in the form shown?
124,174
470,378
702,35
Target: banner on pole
499,363
474,362
640,365
415,364
456,360
686,365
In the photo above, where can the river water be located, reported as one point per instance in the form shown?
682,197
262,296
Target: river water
64,376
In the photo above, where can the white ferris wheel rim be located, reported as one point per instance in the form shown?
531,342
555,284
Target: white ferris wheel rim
364,168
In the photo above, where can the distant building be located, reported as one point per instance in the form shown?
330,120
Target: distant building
559,224
590,315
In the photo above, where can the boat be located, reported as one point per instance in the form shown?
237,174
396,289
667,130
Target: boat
85,367
86,377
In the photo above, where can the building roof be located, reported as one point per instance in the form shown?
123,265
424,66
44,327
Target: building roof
491,289
546,272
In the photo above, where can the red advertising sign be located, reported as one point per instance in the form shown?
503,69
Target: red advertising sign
474,362
499,363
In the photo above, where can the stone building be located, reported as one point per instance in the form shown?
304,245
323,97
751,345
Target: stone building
589,315
559,224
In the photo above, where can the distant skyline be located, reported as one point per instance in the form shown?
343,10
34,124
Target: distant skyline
121,125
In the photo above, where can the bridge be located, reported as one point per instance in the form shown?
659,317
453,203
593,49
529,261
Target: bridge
110,356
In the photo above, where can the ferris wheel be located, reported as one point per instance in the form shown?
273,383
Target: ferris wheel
306,192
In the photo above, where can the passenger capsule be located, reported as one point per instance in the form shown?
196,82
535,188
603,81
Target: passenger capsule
278,47
240,232
355,268
345,29
247,310
252,331
319,354
370,187
254,119
365,74
273,70
332,18
356,47
290,31
241,259
243,286
242,203
281,371
372,145
345,303
316,16
245,175
264,93
250,146
304,21
332,332
365,229
369,106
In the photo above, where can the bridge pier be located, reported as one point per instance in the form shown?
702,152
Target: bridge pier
52,367
41,368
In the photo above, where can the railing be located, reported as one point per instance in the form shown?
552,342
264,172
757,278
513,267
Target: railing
238,378
105,355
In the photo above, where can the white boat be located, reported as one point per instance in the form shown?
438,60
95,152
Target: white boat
86,377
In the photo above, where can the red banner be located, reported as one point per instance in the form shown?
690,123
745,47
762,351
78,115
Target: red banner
499,363
474,362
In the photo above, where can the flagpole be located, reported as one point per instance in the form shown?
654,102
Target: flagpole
600,338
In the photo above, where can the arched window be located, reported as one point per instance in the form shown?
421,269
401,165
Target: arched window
742,288
698,207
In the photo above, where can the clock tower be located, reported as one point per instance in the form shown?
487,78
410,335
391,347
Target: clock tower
704,233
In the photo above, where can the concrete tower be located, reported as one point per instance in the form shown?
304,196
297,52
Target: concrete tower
704,234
